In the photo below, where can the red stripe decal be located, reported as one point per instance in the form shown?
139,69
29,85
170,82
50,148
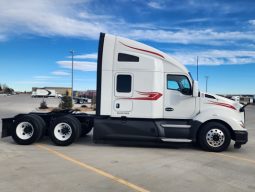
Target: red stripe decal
149,96
144,50
223,104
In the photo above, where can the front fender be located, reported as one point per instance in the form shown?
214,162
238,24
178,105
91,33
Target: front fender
230,117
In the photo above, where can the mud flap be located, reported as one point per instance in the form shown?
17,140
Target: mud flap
7,125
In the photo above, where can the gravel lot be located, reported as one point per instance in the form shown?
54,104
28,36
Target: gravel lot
45,167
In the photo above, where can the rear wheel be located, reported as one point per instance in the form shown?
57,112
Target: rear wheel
27,129
42,125
65,130
214,137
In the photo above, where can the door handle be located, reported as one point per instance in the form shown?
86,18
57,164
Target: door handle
117,105
169,109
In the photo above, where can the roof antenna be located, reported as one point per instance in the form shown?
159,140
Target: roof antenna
197,68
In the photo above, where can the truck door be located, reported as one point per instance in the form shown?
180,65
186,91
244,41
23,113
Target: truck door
178,100
123,91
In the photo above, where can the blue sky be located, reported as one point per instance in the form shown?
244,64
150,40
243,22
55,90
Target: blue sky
36,36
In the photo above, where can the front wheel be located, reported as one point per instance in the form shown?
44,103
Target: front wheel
214,137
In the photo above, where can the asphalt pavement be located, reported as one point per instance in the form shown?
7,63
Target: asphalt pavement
85,166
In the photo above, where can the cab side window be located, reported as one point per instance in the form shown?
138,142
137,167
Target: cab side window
172,84
124,83
179,83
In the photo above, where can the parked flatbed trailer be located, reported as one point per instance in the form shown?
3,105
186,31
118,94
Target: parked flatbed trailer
81,100
142,95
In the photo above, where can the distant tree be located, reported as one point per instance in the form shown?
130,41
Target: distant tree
8,90
4,86
43,105
66,102
12,90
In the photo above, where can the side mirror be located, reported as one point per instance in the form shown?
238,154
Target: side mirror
186,91
195,89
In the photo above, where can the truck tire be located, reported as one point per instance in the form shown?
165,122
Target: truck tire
65,130
27,129
42,124
214,137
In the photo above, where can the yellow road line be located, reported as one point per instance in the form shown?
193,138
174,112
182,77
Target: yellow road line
96,170
236,157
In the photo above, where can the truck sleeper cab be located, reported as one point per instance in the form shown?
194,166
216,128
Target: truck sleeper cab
144,95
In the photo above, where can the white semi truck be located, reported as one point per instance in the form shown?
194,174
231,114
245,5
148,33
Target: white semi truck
44,93
142,95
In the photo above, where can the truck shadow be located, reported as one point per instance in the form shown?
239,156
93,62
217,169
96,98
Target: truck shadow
88,141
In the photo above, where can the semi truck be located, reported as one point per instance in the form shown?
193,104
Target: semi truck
143,95
44,93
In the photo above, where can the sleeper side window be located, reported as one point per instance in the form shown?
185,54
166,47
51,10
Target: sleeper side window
123,57
179,83
124,83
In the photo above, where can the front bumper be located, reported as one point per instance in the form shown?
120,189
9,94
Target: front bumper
241,137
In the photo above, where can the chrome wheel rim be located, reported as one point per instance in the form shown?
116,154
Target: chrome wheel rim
24,130
63,131
215,137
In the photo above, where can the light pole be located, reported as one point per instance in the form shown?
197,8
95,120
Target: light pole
206,77
197,68
72,53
